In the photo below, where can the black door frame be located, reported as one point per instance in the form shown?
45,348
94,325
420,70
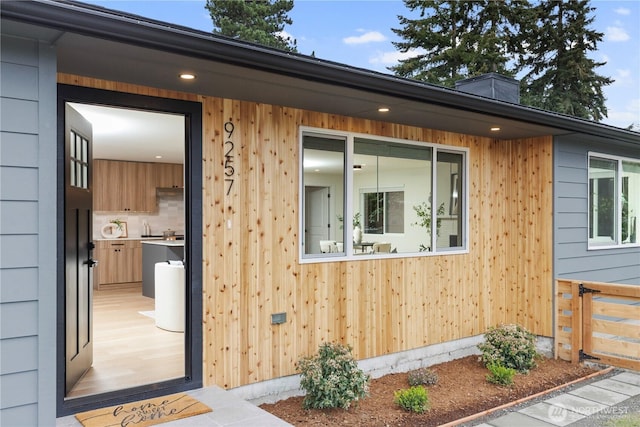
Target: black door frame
192,112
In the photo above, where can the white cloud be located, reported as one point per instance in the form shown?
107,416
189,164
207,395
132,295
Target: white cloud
623,77
367,37
393,57
623,11
616,34
285,35
630,114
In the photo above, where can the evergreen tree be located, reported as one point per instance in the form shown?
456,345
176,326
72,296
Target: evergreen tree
257,21
559,75
461,39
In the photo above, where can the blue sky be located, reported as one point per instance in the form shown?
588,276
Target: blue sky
358,33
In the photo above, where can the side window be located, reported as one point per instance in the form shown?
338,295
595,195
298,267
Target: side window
323,179
449,226
630,203
614,201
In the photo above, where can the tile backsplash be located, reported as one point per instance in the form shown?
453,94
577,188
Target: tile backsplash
170,216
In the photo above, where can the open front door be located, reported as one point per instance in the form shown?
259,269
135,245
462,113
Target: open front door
78,248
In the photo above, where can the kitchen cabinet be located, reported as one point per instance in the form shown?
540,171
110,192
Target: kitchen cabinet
131,186
123,186
119,261
154,252
168,175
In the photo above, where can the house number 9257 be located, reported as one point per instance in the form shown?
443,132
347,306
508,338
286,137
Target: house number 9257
229,171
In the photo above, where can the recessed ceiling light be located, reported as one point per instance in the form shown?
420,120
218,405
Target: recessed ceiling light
158,157
495,128
383,109
187,76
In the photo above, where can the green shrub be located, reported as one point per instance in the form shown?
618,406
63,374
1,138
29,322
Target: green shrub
331,378
422,376
414,399
500,375
510,346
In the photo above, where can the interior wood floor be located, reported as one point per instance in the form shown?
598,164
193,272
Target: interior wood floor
128,349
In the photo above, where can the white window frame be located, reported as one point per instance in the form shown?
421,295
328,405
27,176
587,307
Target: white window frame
348,204
618,220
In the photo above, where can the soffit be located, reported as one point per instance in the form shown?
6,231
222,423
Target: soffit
153,53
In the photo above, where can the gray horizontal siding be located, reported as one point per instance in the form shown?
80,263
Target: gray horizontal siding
18,251
18,183
19,389
572,259
19,319
21,81
27,232
18,217
21,416
18,355
19,115
18,150
18,284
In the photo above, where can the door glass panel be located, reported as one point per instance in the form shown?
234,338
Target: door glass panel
72,144
72,172
78,146
85,150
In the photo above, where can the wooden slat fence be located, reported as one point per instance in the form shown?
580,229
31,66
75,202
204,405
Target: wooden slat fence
598,321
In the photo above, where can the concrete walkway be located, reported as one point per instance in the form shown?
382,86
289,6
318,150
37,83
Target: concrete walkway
228,411
597,403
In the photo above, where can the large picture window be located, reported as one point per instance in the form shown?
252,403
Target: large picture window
614,201
365,196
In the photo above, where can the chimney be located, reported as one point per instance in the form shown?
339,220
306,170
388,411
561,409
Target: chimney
492,85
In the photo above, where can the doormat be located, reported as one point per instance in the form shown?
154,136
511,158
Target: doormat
145,412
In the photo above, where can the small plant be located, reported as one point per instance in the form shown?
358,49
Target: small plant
500,375
413,399
510,346
331,378
422,376
118,223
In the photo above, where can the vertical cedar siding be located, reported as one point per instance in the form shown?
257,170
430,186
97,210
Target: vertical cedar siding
377,306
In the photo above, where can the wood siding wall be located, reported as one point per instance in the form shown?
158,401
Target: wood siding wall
27,232
573,260
251,269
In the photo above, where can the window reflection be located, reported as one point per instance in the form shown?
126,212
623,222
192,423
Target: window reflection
323,181
391,180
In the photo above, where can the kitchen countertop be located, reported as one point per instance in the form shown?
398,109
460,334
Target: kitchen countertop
128,238
164,242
